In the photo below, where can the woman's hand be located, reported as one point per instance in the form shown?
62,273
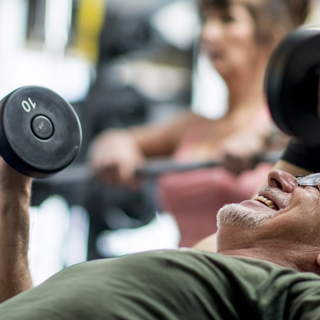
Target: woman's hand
115,156
242,150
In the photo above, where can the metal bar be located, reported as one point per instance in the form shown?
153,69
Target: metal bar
78,173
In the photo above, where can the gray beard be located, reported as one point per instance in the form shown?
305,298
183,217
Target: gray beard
238,215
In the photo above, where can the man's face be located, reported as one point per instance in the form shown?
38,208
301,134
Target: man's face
282,210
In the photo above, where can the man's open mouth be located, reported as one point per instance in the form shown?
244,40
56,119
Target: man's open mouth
269,203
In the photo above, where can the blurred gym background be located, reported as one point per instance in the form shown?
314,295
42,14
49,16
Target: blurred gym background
119,63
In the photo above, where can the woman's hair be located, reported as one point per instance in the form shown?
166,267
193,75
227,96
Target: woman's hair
288,14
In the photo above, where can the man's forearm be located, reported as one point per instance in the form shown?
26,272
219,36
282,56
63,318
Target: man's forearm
14,239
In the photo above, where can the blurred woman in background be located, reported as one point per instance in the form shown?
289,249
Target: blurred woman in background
238,36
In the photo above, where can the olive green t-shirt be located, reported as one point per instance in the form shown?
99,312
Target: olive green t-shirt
173,284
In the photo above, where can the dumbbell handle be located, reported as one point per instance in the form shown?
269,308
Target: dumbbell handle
77,173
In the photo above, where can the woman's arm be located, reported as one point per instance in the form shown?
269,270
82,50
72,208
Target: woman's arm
161,139
116,154
207,244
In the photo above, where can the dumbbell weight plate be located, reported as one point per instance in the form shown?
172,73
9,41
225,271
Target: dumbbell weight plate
292,85
40,133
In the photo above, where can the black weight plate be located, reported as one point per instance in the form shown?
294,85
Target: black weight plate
29,145
291,85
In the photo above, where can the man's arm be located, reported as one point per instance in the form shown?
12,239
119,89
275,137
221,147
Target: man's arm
15,190
290,168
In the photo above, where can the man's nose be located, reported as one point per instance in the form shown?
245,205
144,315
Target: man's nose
282,180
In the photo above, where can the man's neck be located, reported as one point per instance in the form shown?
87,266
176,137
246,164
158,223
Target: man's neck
294,255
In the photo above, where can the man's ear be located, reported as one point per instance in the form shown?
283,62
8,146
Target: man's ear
318,259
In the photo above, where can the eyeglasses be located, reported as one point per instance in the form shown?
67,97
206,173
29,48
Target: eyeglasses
311,180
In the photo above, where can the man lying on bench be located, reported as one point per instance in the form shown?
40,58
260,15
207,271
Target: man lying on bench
267,264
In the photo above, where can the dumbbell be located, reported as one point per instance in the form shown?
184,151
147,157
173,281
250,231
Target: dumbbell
40,133
292,85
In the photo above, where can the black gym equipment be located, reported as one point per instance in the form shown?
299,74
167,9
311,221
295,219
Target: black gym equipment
292,85
40,133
